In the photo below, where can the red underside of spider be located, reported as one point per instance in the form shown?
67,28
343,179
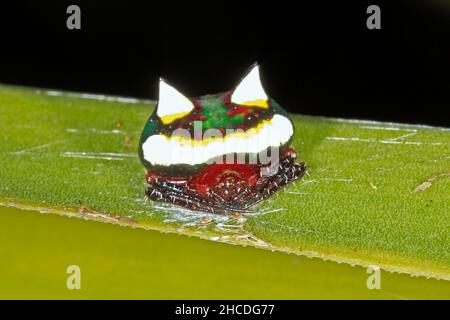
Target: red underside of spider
225,188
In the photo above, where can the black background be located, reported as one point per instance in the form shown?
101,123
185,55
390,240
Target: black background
316,57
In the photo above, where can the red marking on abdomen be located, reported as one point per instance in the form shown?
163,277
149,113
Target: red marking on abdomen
216,173
235,110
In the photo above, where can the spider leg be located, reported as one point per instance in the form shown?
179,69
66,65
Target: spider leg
183,196
243,191
226,198
175,195
286,174
244,198
288,171
215,196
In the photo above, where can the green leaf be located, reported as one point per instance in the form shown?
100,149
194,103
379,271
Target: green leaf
125,263
375,193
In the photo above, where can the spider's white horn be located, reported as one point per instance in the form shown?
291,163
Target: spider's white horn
171,103
250,91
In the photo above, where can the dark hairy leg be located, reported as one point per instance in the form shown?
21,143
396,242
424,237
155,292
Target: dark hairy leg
245,198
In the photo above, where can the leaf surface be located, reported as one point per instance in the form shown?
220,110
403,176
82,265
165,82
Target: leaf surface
375,193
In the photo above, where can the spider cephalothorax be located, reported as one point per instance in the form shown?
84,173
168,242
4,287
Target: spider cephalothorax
219,153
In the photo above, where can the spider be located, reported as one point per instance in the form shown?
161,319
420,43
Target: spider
221,153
